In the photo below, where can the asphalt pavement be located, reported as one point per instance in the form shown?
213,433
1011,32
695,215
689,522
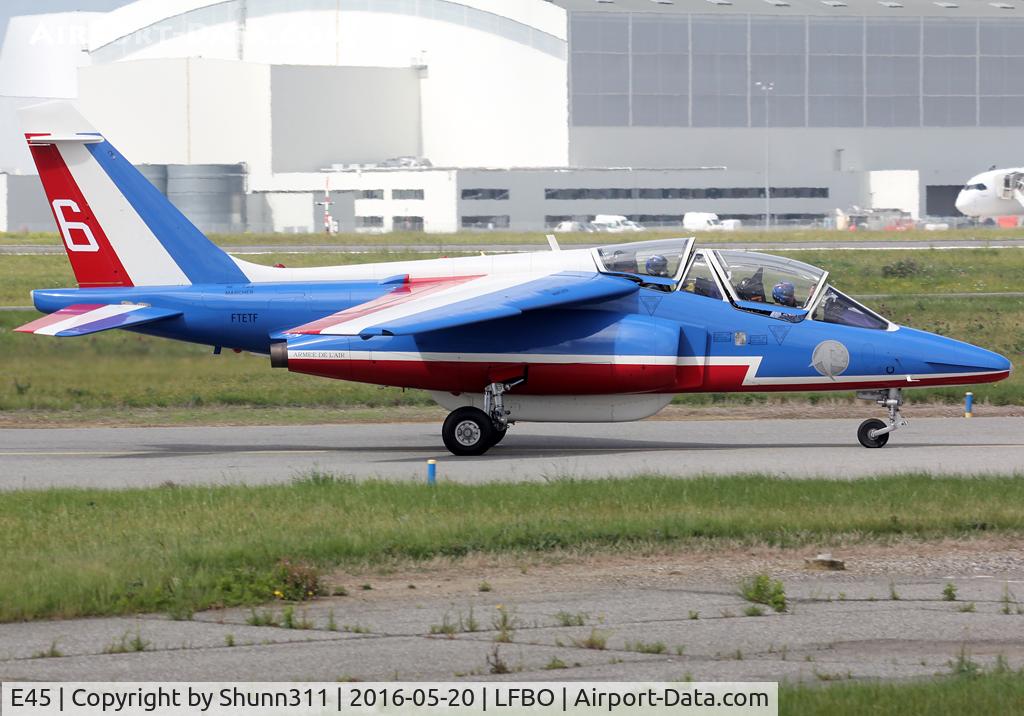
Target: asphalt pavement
136,457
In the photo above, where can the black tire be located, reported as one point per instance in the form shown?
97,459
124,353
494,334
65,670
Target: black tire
864,433
467,431
498,436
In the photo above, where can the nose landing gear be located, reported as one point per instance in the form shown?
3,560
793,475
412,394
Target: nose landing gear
471,431
874,433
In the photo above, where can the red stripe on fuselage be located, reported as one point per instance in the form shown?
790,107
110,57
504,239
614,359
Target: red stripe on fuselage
93,269
588,378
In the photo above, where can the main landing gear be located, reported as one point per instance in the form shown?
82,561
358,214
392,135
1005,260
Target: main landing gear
874,433
472,431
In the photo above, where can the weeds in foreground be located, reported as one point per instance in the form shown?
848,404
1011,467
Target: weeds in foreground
262,618
893,594
762,589
297,581
496,664
1008,600
568,619
968,607
949,592
964,665
51,653
290,621
485,586
125,645
754,611
229,640
651,647
505,622
555,663
595,640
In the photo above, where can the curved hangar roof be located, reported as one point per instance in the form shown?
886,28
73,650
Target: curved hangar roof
537,23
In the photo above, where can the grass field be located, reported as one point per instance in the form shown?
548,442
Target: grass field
81,552
42,377
493,238
994,693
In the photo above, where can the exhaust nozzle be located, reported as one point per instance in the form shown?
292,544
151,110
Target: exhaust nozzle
279,354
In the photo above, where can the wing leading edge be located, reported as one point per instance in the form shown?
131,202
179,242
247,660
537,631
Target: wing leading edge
449,303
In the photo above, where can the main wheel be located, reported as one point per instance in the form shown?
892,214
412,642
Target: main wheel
467,431
498,435
864,433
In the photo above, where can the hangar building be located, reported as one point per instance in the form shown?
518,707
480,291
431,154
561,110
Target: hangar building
438,115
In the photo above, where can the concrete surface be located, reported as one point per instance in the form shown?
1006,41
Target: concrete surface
840,625
135,457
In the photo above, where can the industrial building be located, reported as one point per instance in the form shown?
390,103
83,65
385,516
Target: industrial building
440,115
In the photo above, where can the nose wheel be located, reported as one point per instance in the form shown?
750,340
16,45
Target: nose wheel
874,433
870,428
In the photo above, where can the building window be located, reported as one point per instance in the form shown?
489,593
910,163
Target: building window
407,223
575,194
369,222
370,194
485,222
406,193
492,194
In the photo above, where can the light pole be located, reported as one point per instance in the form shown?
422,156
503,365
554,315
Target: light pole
766,88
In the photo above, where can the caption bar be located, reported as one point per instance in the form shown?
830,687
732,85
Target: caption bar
295,699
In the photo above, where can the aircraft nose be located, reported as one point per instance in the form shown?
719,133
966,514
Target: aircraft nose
975,359
963,204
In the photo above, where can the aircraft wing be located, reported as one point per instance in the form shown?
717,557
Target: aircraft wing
420,306
85,318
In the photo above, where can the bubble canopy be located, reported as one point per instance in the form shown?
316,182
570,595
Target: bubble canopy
664,258
771,279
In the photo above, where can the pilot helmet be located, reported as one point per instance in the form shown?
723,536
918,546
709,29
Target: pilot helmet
657,265
784,293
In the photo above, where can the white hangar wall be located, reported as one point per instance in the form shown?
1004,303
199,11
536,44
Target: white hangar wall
493,75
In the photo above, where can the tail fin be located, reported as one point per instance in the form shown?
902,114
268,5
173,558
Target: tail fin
118,229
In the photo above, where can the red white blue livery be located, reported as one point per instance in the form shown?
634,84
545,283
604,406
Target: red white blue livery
589,335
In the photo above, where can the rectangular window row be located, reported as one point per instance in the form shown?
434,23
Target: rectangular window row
488,194
741,192
489,223
395,194
399,223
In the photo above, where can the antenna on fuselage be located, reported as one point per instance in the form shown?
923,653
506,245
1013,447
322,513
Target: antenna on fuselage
553,243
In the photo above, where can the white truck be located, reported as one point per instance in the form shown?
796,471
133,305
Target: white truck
707,221
614,224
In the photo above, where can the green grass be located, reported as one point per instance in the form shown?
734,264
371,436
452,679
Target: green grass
953,696
43,378
81,552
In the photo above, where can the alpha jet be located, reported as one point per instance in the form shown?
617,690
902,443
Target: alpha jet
589,335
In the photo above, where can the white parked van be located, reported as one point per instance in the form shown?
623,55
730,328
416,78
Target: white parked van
614,224
707,221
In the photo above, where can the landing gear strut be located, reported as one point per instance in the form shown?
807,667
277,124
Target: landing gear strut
471,431
874,433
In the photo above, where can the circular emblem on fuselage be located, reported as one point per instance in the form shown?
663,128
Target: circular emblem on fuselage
830,358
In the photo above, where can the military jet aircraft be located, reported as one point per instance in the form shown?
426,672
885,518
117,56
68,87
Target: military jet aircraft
589,335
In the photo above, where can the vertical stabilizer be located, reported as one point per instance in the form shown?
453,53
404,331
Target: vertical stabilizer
117,228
